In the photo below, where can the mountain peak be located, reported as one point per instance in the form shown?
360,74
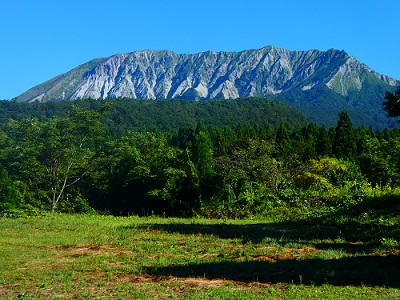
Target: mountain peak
205,75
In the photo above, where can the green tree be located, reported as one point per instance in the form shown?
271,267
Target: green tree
380,162
141,173
324,142
283,142
344,145
10,196
255,162
328,173
55,155
203,155
392,103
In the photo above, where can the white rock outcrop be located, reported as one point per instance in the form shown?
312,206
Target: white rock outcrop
165,74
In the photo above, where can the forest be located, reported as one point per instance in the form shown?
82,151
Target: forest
219,159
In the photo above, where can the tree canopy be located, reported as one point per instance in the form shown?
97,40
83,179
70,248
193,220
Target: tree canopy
76,162
392,103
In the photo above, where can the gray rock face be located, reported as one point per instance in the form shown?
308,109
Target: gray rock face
207,75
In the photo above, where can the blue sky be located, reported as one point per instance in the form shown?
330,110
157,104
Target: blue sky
41,39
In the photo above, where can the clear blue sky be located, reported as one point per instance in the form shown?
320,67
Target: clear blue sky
41,39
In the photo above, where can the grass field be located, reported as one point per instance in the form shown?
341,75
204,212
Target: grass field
82,256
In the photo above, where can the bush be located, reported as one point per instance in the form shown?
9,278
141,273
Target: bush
21,212
75,204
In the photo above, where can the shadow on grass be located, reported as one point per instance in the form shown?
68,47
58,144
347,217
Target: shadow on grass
369,253
349,239
365,260
355,271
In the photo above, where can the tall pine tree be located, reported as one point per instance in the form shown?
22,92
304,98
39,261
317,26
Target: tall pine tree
344,145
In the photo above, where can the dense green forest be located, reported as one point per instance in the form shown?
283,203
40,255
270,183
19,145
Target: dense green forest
179,158
161,115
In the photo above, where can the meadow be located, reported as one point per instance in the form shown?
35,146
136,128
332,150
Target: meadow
94,256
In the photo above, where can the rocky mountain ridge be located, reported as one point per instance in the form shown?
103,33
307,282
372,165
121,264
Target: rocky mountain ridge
208,75
269,71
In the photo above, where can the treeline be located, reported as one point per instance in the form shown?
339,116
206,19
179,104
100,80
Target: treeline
163,115
73,164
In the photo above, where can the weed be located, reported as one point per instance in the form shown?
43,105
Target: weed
389,243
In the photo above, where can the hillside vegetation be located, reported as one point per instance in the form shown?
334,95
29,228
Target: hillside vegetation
162,115
175,158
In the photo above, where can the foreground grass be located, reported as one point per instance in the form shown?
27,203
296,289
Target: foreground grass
82,256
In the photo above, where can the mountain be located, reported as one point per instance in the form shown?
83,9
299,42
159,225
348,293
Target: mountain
318,83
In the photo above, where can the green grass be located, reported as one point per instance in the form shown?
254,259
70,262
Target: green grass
80,256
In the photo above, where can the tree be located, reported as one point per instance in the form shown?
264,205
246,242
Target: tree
392,103
254,161
203,155
10,197
141,173
344,145
55,155
324,142
379,161
328,173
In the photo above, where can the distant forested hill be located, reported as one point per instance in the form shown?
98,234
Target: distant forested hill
164,115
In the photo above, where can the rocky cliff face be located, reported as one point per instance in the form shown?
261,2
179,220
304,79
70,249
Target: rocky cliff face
208,75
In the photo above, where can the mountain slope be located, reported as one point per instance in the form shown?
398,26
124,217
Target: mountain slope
291,76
